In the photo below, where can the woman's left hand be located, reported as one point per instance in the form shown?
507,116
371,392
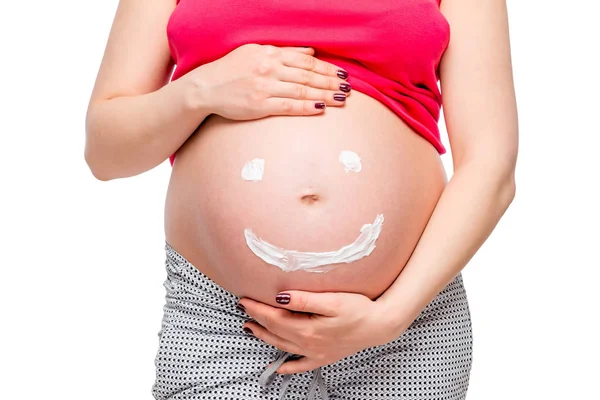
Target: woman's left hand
322,327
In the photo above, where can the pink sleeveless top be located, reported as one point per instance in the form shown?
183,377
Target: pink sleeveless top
391,49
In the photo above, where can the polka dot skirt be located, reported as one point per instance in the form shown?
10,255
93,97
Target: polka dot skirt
204,354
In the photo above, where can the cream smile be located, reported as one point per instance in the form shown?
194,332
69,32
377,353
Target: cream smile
292,260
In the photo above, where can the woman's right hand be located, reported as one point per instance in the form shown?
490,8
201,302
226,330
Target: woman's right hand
254,81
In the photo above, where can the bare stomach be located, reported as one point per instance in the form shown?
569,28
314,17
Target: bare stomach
308,203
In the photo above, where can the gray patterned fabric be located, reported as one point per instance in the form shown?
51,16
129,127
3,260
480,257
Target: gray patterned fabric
204,354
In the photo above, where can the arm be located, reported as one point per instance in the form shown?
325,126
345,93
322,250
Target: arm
481,117
134,122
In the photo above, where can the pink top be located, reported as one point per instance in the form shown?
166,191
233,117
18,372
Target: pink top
391,49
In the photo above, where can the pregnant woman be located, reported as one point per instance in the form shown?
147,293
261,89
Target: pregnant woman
313,242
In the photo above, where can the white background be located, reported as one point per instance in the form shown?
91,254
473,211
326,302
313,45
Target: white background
82,260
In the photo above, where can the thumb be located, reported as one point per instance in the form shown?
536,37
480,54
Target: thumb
326,304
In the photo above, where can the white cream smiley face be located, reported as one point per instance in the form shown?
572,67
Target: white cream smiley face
292,260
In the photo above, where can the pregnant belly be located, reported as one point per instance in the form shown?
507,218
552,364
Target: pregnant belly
314,220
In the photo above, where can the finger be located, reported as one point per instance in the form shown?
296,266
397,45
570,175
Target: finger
301,92
303,364
272,339
312,79
307,62
301,49
276,320
287,106
327,304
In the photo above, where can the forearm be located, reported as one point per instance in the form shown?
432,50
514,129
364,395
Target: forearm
126,136
468,210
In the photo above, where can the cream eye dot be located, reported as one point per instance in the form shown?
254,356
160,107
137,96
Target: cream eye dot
350,160
253,170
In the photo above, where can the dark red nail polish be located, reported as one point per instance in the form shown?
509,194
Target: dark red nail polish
283,298
339,97
248,331
320,106
342,74
241,307
345,87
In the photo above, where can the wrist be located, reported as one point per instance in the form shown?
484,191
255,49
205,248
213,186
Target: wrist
195,90
393,317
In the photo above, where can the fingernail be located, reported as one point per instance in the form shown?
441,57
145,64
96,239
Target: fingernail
345,87
320,106
248,330
241,307
342,74
283,298
339,97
